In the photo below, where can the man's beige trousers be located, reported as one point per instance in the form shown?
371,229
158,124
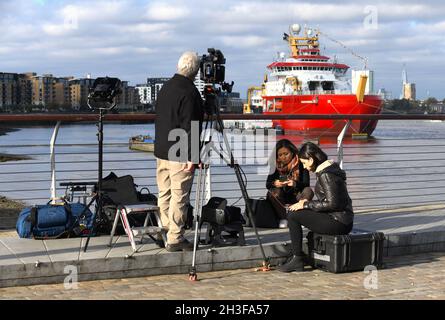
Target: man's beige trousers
174,185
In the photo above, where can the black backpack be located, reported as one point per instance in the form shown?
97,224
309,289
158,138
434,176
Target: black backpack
263,214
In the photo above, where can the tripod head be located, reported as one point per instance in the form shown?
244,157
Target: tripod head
103,93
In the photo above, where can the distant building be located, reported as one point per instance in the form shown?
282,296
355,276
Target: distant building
230,102
409,91
200,84
129,98
79,90
9,90
29,91
437,107
51,92
144,92
43,90
26,88
62,94
155,85
386,95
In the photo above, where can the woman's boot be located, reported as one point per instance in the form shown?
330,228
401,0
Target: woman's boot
294,264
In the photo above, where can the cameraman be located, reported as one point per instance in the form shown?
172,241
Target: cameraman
178,104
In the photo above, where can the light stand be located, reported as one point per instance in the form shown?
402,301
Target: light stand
102,97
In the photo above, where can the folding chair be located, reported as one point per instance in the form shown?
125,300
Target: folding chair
120,195
123,211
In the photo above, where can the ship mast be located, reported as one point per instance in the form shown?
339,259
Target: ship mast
307,41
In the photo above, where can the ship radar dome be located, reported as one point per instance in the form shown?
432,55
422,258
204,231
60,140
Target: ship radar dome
296,28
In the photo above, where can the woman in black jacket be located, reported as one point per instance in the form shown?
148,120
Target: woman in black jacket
330,214
289,183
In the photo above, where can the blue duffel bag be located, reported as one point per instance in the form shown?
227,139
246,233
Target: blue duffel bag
54,221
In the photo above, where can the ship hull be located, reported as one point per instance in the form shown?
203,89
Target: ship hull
324,104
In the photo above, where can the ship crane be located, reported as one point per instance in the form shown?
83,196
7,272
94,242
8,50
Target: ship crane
247,107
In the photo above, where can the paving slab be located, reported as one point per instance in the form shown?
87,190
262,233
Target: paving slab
7,257
27,250
63,249
97,248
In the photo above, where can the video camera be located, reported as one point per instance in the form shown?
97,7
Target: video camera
103,92
212,66
212,72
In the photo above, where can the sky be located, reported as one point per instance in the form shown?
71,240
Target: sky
136,39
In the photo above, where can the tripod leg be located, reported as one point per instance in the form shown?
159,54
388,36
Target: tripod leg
94,223
192,274
200,191
242,186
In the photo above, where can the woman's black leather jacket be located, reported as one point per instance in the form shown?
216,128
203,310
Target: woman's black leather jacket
332,194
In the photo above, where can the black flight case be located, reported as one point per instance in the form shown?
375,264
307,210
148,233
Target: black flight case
344,253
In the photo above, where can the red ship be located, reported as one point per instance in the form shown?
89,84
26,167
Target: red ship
310,83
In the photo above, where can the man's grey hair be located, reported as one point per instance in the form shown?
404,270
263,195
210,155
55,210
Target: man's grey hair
188,64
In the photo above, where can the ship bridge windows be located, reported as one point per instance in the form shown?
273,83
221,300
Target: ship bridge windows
312,85
309,68
320,87
327,85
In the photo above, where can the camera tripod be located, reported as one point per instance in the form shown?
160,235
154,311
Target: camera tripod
213,107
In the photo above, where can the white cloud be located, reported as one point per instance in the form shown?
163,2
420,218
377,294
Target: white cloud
95,11
57,29
146,27
243,41
166,12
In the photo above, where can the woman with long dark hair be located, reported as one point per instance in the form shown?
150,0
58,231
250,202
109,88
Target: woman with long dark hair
330,214
289,182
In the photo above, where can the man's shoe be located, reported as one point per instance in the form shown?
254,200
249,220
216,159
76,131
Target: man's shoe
294,264
160,243
184,245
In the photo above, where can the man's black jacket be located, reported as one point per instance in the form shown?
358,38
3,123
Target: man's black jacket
178,104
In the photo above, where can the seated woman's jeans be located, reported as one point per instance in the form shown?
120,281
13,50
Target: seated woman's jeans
279,199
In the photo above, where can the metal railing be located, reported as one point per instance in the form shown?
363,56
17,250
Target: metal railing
393,173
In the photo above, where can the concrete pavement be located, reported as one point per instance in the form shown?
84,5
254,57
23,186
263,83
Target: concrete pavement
419,276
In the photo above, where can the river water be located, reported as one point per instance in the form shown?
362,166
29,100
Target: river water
403,164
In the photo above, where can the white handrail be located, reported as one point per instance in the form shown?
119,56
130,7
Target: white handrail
53,163
340,143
